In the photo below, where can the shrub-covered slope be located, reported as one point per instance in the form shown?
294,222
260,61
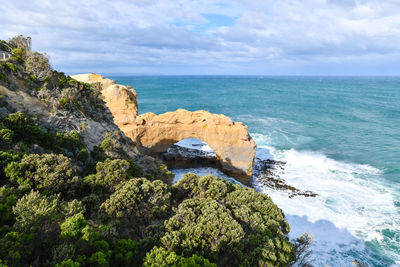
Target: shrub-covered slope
66,200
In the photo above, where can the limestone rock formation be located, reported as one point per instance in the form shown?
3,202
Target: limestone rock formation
121,100
153,134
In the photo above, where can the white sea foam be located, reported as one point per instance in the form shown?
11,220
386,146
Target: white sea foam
194,143
351,207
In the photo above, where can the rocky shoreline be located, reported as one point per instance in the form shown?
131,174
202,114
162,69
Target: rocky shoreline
267,172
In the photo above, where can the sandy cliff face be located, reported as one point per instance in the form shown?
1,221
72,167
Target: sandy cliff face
121,100
234,147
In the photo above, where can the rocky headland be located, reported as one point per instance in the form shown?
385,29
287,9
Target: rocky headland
154,134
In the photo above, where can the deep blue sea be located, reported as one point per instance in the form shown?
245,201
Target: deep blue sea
340,137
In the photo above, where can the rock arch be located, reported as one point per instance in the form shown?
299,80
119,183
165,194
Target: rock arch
234,147
231,142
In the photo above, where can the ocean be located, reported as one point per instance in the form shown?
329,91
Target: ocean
339,137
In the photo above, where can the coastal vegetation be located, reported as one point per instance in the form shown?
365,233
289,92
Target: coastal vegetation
64,203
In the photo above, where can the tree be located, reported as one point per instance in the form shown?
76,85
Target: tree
21,41
38,64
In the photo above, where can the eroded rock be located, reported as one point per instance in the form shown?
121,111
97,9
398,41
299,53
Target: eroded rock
153,134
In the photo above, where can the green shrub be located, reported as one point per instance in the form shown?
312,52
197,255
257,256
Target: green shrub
7,157
73,226
8,199
71,141
6,137
64,103
137,202
83,155
111,146
68,263
100,259
36,211
11,66
109,174
27,130
48,171
265,230
125,252
18,54
161,257
203,226
3,77
62,80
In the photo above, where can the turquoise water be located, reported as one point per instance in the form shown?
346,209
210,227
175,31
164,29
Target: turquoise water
340,137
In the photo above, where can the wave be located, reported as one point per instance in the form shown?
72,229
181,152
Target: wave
194,143
349,219
351,208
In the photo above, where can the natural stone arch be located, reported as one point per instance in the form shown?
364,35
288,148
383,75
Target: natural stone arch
231,142
234,147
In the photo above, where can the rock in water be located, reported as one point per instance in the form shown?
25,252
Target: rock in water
153,134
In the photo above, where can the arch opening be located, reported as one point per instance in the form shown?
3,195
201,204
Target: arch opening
190,153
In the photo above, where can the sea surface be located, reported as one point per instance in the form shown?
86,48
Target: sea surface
339,137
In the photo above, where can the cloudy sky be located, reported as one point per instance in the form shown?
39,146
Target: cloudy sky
248,37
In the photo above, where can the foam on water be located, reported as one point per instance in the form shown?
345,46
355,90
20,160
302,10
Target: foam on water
194,143
346,119
351,207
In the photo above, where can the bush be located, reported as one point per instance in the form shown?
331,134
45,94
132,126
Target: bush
18,54
73,226
109,174
26,130
3,77
83,155
8,199
64,103
11,66
6,137
137,202
7,157
125,252
68,263
36,211
71,141
202,226
48,171
161,257
111,145
265,240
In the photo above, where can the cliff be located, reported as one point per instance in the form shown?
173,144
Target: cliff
153,134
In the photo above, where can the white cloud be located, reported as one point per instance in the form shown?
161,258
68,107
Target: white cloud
265,37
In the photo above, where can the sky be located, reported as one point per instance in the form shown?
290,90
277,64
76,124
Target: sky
211,37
